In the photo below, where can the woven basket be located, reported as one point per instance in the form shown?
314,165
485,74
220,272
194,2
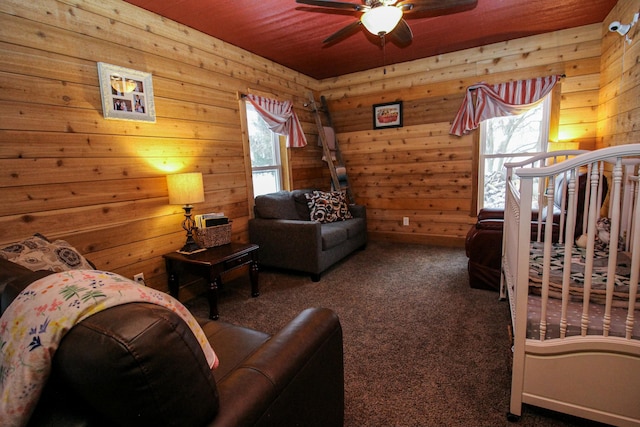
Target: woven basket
213,236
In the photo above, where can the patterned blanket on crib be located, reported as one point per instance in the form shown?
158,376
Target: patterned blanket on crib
577,276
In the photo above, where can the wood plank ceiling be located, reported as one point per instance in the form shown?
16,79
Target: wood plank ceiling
291,34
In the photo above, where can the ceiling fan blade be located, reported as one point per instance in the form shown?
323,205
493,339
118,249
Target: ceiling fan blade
334,4
401,34
343,33
411,6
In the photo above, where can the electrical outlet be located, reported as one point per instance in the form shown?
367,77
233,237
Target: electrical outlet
405,221
139,278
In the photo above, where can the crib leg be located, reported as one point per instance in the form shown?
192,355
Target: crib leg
513,418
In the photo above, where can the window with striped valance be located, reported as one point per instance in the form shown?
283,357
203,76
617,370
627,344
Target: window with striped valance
483,101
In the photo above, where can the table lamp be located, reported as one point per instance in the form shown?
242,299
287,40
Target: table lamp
185,189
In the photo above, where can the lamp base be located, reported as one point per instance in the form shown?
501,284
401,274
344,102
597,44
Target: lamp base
191,248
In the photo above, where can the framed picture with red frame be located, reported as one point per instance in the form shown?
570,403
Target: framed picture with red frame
387,115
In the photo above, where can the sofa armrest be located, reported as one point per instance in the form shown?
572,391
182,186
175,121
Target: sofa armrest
285,243
146,368
307,229
491,224
358,211
490,213
295,378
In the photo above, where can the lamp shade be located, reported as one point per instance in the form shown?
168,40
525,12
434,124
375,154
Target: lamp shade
382,19
185,188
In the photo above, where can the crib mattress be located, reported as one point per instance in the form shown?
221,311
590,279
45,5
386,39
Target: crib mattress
574,315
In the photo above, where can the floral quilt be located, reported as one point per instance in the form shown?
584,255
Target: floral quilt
33,325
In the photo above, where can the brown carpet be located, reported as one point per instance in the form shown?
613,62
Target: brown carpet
421,347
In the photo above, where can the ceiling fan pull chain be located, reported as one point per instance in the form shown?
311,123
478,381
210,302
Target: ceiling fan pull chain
384,55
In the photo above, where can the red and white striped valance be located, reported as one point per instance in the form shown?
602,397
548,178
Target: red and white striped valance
484,101
280,118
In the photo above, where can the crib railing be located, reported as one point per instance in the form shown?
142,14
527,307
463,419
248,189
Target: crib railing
513,186
524,201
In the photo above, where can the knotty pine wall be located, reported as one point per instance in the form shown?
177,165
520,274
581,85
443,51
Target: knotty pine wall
419,170
68,173
619,111
100,184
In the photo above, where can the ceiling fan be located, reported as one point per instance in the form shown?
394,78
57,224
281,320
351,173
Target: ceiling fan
385,17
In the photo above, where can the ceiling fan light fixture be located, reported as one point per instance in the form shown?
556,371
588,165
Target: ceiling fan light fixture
382,19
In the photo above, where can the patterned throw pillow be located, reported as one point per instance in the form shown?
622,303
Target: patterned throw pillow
38,253
328,207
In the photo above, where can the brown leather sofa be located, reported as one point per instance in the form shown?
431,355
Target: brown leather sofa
483,244
139,364
483,247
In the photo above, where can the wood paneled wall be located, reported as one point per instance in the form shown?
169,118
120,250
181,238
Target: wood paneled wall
619,112
420,171
68,173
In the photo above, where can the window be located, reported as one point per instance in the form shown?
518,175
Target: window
509,139
265,148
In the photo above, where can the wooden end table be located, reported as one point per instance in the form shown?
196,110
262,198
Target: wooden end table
210,265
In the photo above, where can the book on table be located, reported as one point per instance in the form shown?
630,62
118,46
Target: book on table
211,220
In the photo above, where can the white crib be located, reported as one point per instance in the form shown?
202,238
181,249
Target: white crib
576,321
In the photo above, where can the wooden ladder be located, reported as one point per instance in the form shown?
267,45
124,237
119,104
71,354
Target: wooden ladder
337,169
